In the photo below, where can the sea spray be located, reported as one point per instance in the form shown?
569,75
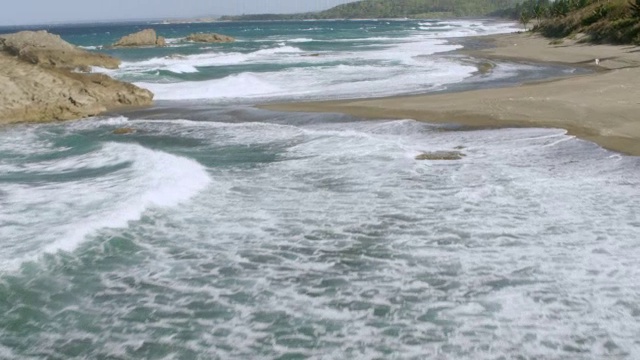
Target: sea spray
116,182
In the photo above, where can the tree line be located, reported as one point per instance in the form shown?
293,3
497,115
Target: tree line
376,9
616,21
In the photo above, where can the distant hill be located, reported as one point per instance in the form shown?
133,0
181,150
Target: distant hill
610,21
377,9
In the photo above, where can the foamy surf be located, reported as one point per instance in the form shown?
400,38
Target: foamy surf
214,58
379,66
235,86
319,82
322,233
129,179
324,236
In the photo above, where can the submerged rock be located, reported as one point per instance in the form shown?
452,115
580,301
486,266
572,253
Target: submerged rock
124,131
146,37
43,48
38,83
210,38
441,155
486,67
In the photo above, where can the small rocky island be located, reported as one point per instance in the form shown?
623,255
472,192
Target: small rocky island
44,79
210,38
147,37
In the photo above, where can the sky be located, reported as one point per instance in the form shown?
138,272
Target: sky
23,12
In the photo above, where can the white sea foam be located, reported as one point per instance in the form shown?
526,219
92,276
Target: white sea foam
322,81
462,28
190,63
402,65
7,353
135,180
343,80
327,239
97,123
284,49
235,86
299,40
182,68
424,257
342,242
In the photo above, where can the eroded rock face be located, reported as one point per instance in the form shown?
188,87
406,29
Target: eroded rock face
147,37
210,38
37,83
43,48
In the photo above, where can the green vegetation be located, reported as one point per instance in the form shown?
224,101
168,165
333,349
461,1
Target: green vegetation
377,9
611,21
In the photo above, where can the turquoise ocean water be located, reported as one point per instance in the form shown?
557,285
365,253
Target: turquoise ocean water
221,231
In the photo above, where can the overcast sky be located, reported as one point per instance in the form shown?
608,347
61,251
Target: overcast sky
20,12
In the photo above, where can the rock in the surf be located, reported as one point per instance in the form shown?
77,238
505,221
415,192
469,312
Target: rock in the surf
210,38
38,83
124,131
146,37
43,48
441,155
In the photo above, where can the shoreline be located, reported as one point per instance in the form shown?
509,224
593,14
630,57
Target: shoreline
602,107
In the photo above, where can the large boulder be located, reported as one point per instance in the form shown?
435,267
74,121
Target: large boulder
210,38
147,37
37,83
43,48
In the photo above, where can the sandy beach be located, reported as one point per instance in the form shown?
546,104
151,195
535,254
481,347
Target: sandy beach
603,107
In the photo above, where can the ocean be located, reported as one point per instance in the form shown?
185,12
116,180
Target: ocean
222,231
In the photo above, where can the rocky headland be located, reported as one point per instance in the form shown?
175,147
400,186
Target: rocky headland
210,38
42,80
42,48
147,37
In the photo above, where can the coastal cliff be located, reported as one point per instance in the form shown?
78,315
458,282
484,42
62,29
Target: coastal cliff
41,82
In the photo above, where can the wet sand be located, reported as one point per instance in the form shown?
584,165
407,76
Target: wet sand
603,107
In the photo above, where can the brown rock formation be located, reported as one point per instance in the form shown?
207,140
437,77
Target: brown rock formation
147,37
441,155
40,87
210,38
40,47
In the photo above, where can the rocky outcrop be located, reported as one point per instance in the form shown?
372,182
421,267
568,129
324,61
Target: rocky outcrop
441,155
41,86
210,38
147,37
42,48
